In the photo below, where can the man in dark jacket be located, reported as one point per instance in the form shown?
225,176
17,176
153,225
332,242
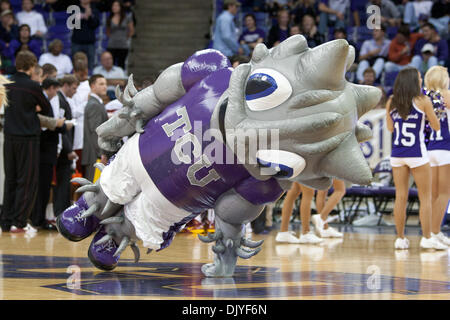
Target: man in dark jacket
61,199
21,150
48,155
94,115
83,39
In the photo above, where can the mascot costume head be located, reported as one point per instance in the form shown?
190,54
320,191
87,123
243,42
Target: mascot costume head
168,171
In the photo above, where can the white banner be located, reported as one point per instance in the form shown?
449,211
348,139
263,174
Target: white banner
379,147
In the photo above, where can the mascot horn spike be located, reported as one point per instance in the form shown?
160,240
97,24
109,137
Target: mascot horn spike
291,114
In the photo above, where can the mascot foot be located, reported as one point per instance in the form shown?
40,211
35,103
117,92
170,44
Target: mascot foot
226,253
102,251
74,225
114,236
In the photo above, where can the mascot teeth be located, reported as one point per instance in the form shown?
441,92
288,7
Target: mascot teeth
282,164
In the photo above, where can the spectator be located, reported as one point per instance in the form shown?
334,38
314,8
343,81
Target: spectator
119,29
251,35
8,28
332,12
21,148
438,48
440,12
79,56
302,8
95,115
415,11
239,59
309,30
225,38
400,49
32,18
24,43
49,71
373,53
295,29
356,7
5,5
80,98
274,6
61,199
83,39
340,33
426,60
48,155
280,30
369,77
390,15
60,60
114,75
37,74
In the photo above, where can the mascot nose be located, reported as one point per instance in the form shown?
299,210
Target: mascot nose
279,163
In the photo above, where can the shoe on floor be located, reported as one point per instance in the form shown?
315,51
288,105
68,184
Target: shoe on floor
318,223
432,243
401,244
442,238
30,228
310,237
331,233
14,229
287,236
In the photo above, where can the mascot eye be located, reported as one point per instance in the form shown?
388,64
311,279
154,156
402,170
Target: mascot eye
266,89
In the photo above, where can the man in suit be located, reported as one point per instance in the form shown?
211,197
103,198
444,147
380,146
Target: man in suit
22,138
94,115
49,141
61,199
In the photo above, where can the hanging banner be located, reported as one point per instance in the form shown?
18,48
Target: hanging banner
379,147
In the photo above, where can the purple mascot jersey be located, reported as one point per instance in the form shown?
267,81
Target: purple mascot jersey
172,148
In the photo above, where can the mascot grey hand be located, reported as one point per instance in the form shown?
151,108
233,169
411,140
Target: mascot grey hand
202,141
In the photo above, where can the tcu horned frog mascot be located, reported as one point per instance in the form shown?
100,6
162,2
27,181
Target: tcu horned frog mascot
168,171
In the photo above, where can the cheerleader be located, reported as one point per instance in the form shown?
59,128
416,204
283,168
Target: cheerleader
405,118
324,208
436,83
306,235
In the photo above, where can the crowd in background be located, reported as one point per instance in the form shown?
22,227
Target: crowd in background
57,98
411,33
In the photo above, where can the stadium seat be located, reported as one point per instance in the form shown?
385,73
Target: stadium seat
389,78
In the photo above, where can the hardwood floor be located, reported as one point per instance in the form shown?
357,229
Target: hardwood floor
363,265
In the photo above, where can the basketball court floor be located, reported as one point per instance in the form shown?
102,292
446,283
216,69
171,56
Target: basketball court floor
363,265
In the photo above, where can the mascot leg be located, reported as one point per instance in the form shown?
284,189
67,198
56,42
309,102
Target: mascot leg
231,213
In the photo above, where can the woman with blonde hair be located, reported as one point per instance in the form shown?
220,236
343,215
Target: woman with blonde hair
405,118
436,83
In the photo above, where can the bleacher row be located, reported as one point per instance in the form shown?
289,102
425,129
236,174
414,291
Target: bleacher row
56,22
357,35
